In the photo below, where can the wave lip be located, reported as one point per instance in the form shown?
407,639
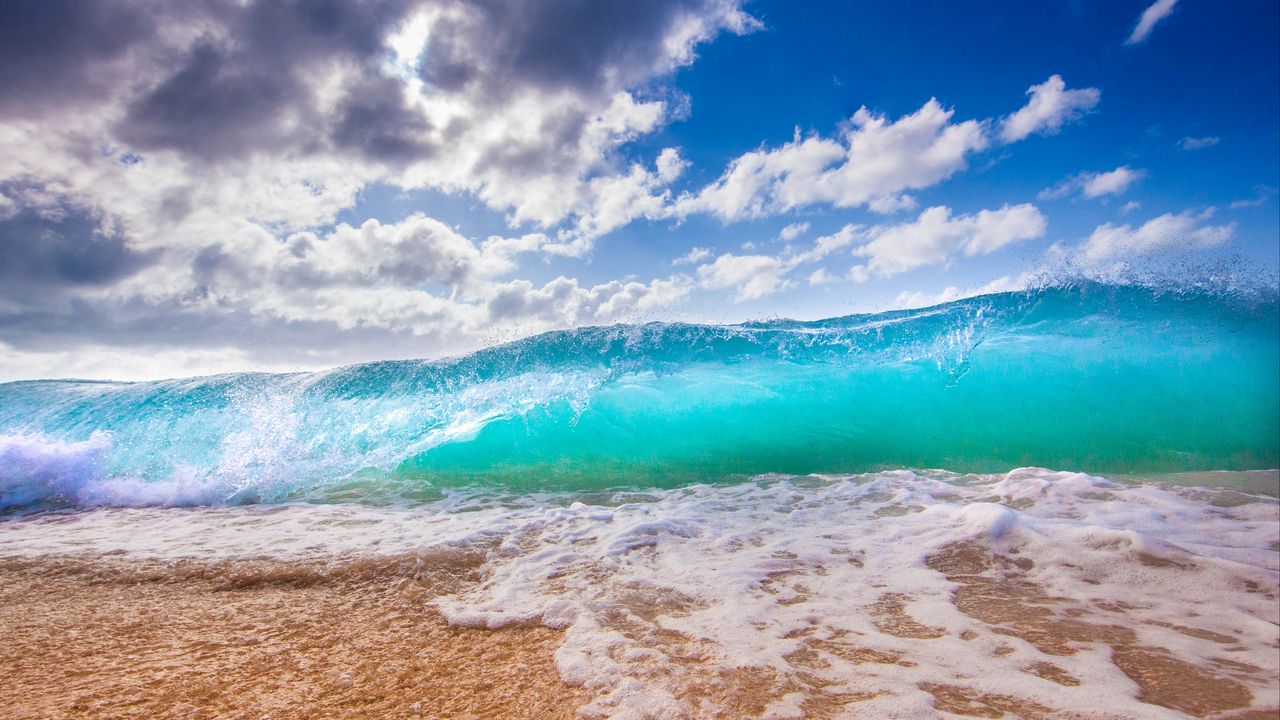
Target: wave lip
1100,378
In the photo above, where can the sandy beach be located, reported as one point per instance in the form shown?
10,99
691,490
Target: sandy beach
1033,594
106,638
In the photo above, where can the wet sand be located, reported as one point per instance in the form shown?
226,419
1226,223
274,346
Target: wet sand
1037,602
107,638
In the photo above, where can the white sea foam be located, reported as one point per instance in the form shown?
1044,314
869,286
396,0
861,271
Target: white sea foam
667,596
35,469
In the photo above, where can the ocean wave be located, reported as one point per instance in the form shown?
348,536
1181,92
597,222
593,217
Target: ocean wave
1110,379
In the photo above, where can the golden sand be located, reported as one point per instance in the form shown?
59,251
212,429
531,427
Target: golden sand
114,639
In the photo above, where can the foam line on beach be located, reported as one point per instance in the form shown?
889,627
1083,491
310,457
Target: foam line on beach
884,595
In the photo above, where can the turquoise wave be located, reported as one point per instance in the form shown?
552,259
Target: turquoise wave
1109,379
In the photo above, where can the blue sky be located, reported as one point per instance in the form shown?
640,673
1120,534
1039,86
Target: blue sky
314,184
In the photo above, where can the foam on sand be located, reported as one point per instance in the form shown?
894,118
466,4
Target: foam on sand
893,594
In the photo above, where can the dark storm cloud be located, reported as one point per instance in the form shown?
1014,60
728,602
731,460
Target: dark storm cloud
591,48
375,119
212,107
247,89
245,84
578,44
58,244
54,51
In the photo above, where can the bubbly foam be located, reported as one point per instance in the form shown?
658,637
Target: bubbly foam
891,594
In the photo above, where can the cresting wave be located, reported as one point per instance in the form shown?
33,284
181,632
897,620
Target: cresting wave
1101,378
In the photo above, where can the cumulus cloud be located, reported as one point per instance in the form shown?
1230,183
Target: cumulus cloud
951,293
1110,183
889,204
871,161
80,45
1155,12
822,277
178,185
562,302
793,231
530,117
616,200
694,256
477,96
1050,105
936,237
1095,185
351,293
1167,233
416,276
827,245
751,276
1198,143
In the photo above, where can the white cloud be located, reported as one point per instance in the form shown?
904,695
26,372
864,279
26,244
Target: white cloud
1130,207
695,255
563,303
935,237
417,276
670,165
1095,185
872,161
103,362
951,293
889,204
1262,194
1157,11
539,141
1198,143
1051,105
1111,183
1164,234
822,277
751,276
616,200
827,245
793,231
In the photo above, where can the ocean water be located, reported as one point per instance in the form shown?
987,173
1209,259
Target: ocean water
1051,498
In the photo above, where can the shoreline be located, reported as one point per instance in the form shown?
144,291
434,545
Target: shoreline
1036,594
